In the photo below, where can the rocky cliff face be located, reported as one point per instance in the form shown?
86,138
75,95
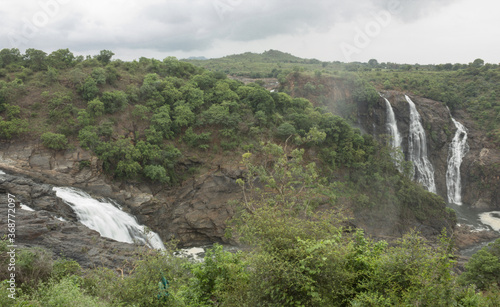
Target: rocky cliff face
480,168
194,213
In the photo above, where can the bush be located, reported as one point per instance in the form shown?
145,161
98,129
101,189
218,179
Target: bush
54,140
12,128
193,139
88,137
141,287
285,130
89,89
52,75
99,75
222,277
32,265
156,173
66,292
95,107
483,268
114,101
64,268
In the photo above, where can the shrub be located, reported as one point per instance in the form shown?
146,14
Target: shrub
285,130
156,173
52,74
88,137
95,107
32,265
64,267
483,268
12,128
89,89
66,292
114,101
54,140
193,139
99,75
222,277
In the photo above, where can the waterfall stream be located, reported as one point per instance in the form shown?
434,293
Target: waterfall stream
392,126
417,150
107,219
458,149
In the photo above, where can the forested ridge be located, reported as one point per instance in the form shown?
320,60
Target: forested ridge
308,172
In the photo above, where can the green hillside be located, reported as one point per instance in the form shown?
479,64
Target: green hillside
308,172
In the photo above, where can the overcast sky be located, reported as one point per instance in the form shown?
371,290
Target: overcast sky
402,31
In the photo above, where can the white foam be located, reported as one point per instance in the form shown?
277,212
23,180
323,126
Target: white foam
24,207
489,218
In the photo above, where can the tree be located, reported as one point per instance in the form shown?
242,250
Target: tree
217,115
12,128
35,59
62,58
104,56
10,56
95,107
183,116
162,122
285,130
54,140
373,63
483,268
89,89
477,63
156,173
99,75
114,101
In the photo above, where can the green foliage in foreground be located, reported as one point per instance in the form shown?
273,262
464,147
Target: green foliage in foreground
483,269
296,260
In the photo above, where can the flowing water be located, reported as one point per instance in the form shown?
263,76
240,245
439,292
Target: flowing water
458,149
107,219
392,126
417,150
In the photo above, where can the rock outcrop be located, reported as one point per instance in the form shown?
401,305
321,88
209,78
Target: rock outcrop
193,213
58,232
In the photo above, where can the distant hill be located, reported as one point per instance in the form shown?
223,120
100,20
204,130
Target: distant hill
201,58
270,56
259,65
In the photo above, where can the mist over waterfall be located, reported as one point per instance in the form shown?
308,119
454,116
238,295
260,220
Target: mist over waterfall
392,126
107,219
458,149
417,150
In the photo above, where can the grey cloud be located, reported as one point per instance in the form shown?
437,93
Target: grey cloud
198,24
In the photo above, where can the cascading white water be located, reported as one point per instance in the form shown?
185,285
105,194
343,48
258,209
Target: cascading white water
107,219
417,150
457,151
392,126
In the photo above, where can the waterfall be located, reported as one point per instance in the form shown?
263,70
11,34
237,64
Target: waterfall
417,150
107,219
458,149
392,126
